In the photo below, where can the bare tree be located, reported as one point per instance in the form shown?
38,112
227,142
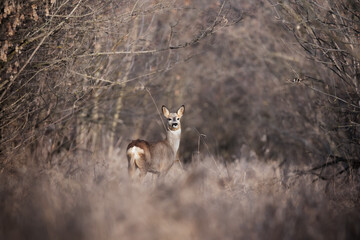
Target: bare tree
67,68
328,32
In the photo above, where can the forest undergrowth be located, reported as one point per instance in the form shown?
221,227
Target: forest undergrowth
206,199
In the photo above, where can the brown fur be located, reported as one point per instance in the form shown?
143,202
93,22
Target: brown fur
144,158
138,143
157,157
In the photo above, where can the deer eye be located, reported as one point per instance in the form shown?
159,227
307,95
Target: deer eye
169,119
178,119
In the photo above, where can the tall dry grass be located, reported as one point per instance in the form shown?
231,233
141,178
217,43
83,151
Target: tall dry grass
246,199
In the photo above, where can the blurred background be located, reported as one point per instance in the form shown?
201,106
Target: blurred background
274,81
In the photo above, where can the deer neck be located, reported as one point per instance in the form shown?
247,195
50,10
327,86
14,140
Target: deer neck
173,138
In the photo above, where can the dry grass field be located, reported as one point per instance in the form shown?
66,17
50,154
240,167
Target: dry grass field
245,199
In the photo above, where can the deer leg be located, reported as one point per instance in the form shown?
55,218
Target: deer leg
141,164
131,168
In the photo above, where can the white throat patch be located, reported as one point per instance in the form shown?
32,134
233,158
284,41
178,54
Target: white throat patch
174,139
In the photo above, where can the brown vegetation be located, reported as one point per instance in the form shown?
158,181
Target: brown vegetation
270,139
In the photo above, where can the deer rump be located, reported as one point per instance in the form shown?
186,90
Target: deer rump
149,157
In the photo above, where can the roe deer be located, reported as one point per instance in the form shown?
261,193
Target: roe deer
157,157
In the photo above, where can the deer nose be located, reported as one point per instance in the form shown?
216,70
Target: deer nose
174,124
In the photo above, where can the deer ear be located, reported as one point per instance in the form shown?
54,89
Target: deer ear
165,111
181,111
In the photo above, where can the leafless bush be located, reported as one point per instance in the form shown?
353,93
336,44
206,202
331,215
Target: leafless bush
70,69
328,33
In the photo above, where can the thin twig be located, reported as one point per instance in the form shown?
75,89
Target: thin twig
157,109
121,52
